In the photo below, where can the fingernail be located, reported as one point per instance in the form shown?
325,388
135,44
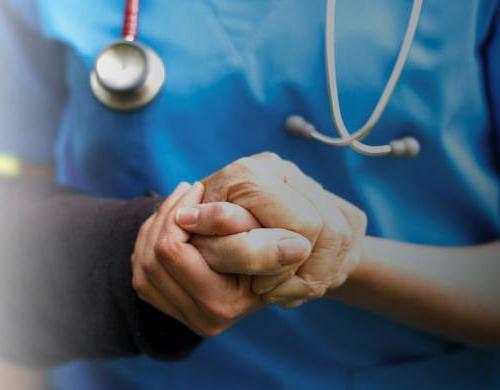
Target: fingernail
293,250
181,186
187,216
197,184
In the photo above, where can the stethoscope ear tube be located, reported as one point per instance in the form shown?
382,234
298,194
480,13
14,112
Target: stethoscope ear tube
405,147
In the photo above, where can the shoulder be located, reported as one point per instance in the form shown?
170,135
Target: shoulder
22,12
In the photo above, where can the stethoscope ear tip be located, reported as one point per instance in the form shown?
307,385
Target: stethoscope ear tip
299,127
408,147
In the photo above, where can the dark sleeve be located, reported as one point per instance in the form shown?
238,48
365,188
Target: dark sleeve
65,279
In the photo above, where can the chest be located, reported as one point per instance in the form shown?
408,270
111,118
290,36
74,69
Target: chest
236,69
277,39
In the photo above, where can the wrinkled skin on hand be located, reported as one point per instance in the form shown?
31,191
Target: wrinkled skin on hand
266,233
279,195
170,273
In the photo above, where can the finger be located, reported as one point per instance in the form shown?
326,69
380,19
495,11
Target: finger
315,276
358,221
343,224
187,266
164,210
170,230
169,293
216,219
220,296
253,184
293,304
264,283
295,289
150,294
172,199
316,268
258,252
180,259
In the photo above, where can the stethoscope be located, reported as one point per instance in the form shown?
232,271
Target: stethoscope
128,75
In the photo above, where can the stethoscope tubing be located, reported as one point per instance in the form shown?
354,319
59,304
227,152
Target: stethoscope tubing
131,20
346,137
405,147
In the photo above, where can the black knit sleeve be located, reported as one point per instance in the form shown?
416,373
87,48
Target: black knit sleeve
65,279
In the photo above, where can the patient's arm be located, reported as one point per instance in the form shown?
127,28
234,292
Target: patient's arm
65,279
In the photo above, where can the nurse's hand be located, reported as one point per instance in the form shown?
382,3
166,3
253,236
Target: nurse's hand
279,195
172,275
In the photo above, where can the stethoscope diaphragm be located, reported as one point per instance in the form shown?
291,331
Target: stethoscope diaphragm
127,75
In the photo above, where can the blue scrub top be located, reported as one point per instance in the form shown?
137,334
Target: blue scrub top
236,69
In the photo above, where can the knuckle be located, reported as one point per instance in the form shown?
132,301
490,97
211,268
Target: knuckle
167,250
344,237
242,166
210,330
251,267
222,312
312,226
338,280
291,168
314,289
162,247
145,226
360,218
250,255
149,266
344,241
227,171
142,230
140,285
289,274
247,169
219,216
238,172
269,156
255,262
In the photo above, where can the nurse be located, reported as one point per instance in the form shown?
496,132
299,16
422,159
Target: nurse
409,311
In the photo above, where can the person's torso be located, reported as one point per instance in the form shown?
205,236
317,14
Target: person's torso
236,70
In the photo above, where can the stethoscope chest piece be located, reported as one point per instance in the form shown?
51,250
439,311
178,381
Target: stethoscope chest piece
127,76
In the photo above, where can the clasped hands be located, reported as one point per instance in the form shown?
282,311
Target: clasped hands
258,232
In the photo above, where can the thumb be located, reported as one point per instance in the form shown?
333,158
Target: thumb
257,252
216,219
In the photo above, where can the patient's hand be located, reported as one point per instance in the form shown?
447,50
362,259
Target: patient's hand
170,273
